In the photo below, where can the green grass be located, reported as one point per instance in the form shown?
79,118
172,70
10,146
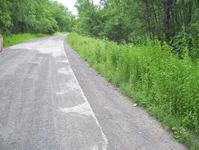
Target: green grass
168,88
13,39
58,33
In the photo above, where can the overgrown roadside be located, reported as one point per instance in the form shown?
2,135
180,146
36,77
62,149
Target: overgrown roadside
166,86
13,39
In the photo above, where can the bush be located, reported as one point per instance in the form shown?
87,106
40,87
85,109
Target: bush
165,85
187,40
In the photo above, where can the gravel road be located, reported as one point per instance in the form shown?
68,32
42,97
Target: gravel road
50,99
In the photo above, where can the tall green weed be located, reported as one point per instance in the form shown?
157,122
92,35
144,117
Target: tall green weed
154,78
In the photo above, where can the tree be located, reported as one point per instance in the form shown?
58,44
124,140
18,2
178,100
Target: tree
128,20
5,16
35,16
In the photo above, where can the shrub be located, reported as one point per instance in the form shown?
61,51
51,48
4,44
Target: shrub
187,40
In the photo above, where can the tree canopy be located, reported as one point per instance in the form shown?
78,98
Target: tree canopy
34,16
126,19
173,21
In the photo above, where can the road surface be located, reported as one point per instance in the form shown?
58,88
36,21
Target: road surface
50,99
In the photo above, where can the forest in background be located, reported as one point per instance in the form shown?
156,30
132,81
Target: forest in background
125,21
134,21
34,16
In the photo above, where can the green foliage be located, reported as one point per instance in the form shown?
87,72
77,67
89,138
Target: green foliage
187,39
34,16
18,38
148,73
5,16
111,20
125,20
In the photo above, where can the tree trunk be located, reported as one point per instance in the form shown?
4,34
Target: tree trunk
147,17
189,14
168,5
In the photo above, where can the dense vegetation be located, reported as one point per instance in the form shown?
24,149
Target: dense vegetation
33,16
153,77
153,57
156,61
173,21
